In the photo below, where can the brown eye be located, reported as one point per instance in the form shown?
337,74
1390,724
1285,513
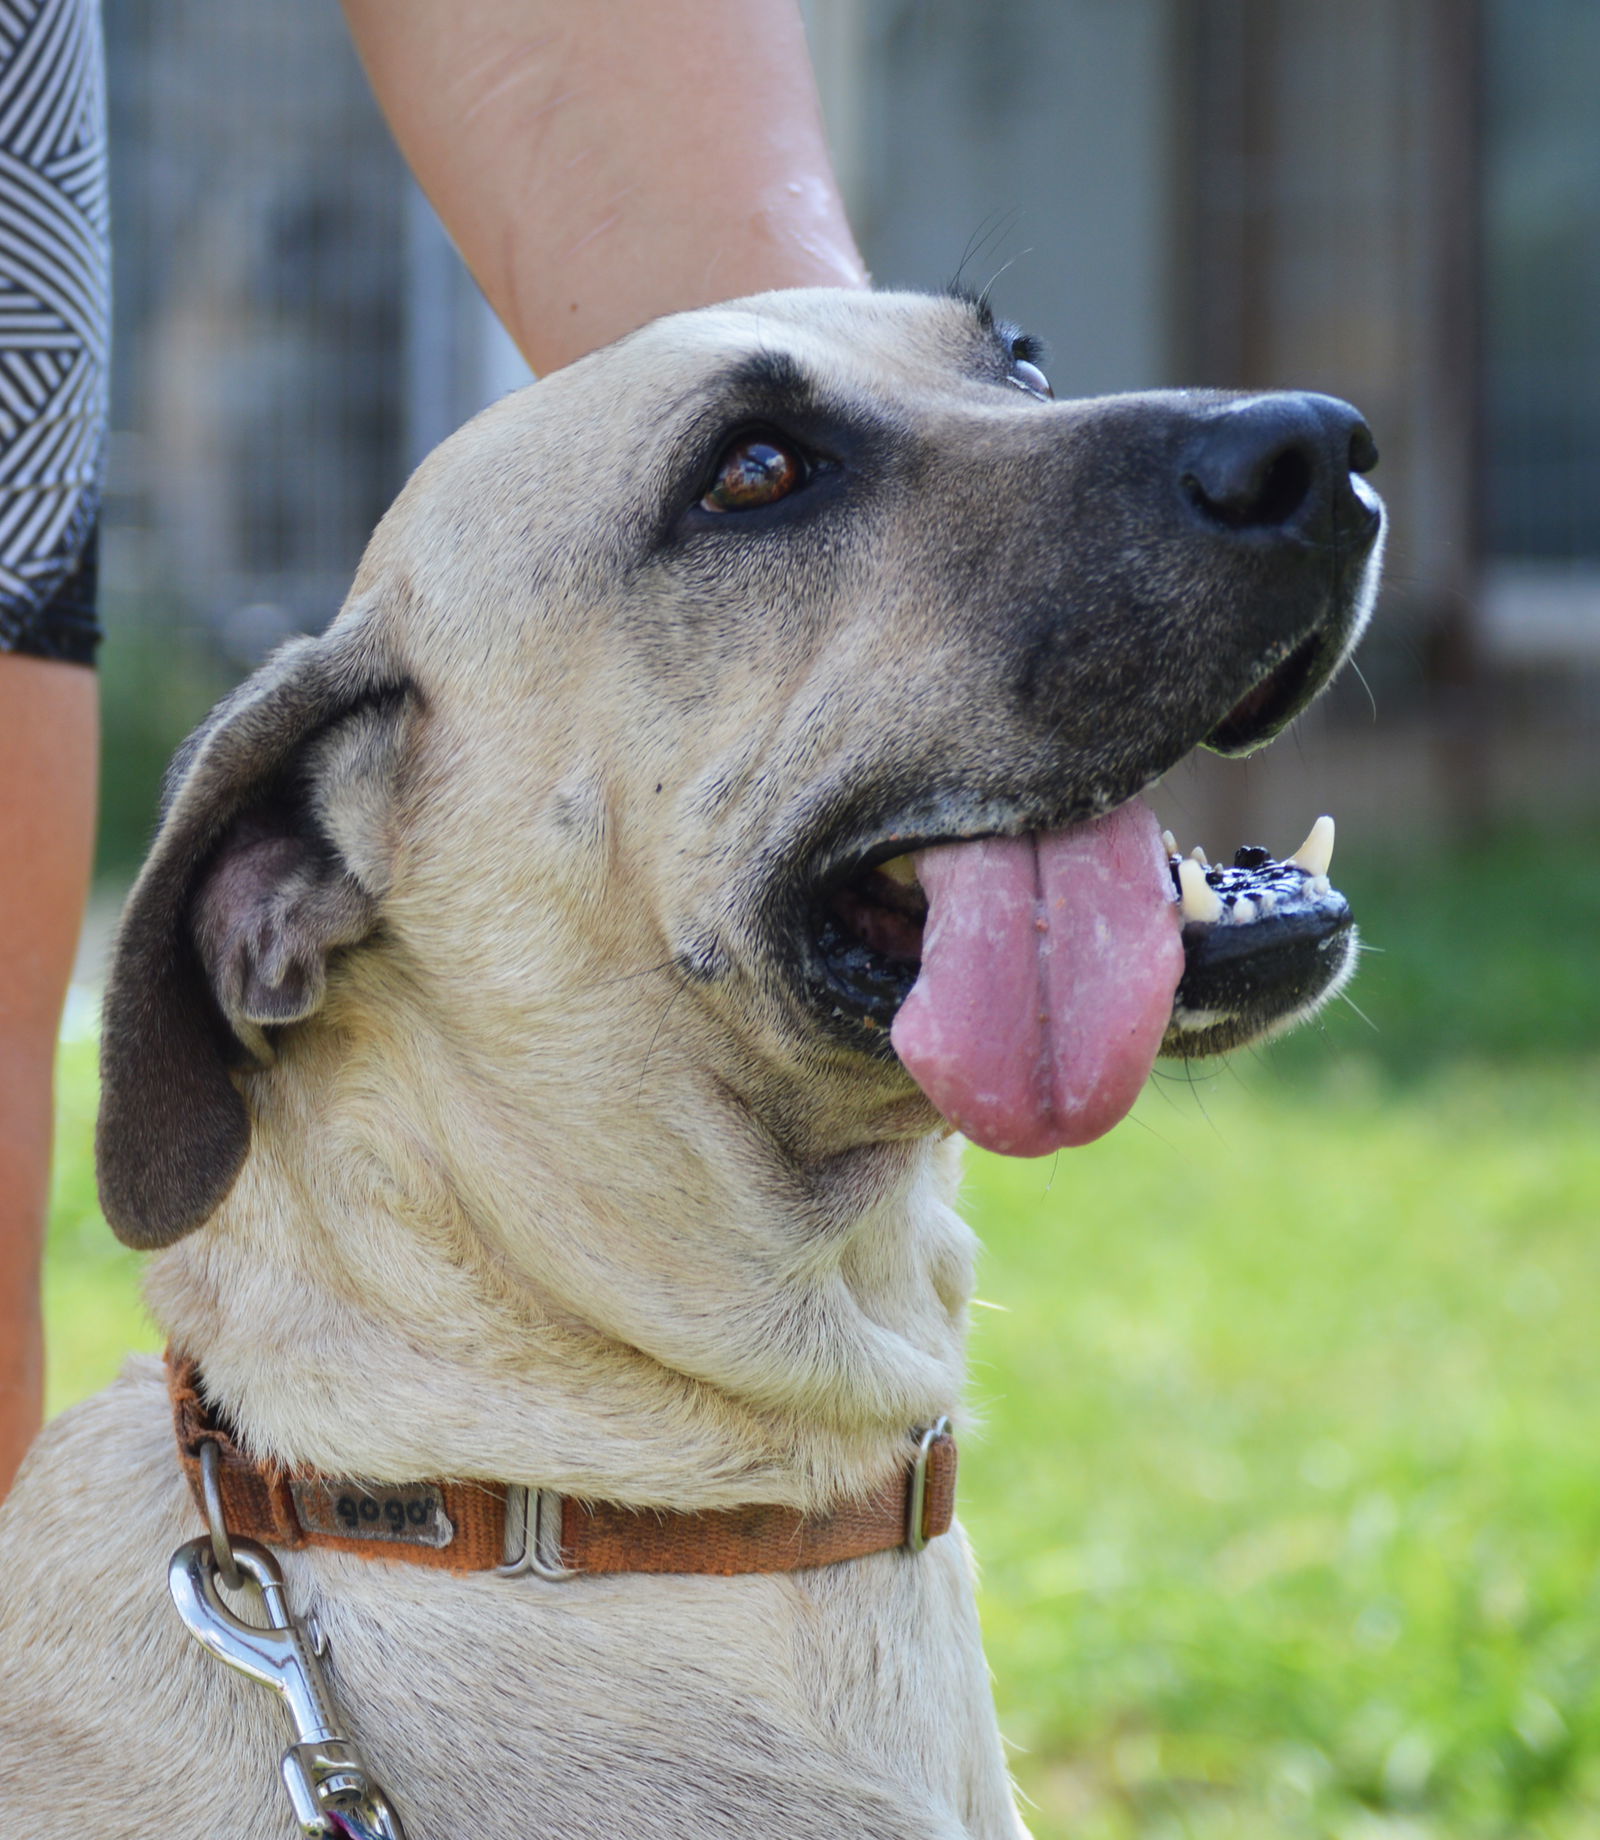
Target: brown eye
755,471
1029,377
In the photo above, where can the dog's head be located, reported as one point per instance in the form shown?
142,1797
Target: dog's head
674,687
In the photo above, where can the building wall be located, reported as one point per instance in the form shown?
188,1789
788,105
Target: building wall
1026,149
1333,213
258,269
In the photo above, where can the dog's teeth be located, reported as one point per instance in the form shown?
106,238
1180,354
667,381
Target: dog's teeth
1268,902
1198,855
1200,900
1244,910
1316,853
1169,843
900,869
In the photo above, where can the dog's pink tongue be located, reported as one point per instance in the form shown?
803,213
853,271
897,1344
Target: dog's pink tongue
1049,964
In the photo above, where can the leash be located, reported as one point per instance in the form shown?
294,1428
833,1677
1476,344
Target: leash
507,1530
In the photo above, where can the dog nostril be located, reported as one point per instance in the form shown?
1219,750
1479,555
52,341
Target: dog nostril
1253,492
1363,449
1279,463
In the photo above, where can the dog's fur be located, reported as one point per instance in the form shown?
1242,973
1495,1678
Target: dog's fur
463,1055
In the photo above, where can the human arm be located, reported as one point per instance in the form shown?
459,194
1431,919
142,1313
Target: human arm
603,164
48,750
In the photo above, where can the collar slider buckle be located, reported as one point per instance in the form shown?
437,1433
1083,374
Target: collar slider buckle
917,1491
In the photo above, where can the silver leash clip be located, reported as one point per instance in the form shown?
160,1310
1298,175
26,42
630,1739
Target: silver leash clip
330,1787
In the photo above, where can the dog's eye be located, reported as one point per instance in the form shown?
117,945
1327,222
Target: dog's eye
1027,376
758,469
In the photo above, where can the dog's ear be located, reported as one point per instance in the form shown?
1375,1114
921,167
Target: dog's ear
268,858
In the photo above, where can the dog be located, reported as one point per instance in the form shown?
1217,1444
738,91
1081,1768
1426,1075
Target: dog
534,1044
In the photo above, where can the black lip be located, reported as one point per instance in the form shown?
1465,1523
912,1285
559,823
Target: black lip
1275,700
1245,982
855,991
859,982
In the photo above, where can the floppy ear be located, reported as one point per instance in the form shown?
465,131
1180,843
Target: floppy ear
267,859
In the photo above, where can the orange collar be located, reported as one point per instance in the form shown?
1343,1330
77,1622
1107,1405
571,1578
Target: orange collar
489,1526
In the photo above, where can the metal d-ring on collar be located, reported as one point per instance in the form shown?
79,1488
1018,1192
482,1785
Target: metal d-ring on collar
917,1496
216,1523
533,1535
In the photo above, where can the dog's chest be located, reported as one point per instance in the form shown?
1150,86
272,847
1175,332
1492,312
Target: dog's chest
853,1700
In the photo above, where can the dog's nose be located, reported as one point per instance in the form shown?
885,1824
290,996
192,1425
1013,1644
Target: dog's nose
1284,465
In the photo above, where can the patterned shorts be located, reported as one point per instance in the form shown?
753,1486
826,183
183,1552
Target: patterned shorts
54,324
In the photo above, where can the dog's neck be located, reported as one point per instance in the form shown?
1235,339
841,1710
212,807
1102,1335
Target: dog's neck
594,1298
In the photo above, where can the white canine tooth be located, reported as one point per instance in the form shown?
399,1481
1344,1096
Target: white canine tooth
1200,900
1244,909
900,869
1268,902
1198,855
1316,853
1169,843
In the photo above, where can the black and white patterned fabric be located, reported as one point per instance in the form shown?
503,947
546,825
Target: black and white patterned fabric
54,323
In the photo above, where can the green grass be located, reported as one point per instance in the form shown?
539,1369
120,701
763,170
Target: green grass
1285,1489
1286,1502
93,1315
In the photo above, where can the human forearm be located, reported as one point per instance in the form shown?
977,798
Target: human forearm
47,802
599,165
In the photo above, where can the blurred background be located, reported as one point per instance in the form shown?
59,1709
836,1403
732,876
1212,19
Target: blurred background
1284,1493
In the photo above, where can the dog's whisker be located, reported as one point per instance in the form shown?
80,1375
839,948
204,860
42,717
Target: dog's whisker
655,1036
630,977
1011,262
1345,997
1204,1110
994,225
1149,1129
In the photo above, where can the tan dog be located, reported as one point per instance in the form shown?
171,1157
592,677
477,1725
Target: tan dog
499,1048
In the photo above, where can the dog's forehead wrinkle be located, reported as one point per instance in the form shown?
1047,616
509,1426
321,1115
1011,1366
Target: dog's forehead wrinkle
766,374
879,345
